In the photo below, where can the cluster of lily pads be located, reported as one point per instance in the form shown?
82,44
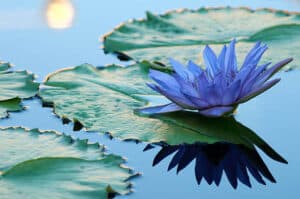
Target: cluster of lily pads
112,99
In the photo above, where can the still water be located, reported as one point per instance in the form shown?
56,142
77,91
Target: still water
31,39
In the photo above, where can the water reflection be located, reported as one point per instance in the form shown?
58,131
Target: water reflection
60,14
237,161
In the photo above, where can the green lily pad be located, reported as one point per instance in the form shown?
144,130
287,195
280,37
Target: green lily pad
104,100
183,34
14,86
35,164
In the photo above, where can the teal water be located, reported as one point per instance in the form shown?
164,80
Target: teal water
27,42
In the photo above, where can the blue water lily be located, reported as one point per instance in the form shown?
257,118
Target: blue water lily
217,90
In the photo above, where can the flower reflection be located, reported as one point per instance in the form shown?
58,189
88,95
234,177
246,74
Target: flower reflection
236,160
60,14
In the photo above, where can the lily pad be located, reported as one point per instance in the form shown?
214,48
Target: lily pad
37,164
14,86
182,34
104,100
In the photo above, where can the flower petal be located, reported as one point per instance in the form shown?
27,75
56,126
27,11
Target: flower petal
210,60
175,96
200,103
186,87
212,95
163,79
202,85
221,58
180,69
231,93
255,54
195,69
244,73
153,87
189,90
216,111
254,74
220,80
247,85
259,90
166,108
271,71
230,63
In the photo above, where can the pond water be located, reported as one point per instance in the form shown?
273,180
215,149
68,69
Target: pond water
30,44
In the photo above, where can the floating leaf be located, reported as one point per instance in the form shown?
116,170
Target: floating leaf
104,99
183,34
35,164
14,86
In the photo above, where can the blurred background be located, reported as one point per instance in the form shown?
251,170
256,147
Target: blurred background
44,35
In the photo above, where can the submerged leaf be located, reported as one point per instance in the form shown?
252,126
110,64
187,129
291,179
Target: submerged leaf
184,34
35,164
14,86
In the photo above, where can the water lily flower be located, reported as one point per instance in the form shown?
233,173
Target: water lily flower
217,90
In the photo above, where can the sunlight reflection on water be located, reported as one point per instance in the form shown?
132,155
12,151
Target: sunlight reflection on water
60,14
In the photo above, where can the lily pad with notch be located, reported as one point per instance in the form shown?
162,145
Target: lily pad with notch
104,99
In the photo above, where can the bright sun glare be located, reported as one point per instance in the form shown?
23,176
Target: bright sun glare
60,14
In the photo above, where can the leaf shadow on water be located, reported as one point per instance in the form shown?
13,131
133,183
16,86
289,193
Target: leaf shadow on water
236,159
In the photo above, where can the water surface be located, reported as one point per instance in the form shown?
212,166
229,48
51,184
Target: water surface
28,42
